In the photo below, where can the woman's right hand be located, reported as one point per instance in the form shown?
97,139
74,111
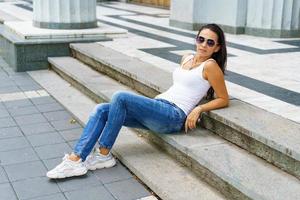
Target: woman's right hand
192,118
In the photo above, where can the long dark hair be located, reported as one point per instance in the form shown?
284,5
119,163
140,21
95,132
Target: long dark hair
221,56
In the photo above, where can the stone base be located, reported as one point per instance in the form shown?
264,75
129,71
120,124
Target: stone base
26,48
197,26
54,25
27,31
273,33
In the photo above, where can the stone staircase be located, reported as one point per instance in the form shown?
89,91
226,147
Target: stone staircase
242,151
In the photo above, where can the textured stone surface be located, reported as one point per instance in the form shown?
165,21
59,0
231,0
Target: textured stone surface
250,175
3,178
45,139
86,181
89,193
149,75
7,122
64,125
30,119
109,175
276,142
38,187
15,172
17,156
92,80
268,128
13,143
71,134
10,132
120,188
6,192
53,150
38,128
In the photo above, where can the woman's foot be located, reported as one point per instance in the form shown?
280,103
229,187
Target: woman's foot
67,168
98,161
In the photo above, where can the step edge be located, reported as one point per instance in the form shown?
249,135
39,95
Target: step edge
127,73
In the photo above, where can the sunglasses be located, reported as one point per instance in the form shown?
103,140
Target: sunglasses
209,42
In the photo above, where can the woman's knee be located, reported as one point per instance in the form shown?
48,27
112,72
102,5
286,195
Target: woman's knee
121,96
100,109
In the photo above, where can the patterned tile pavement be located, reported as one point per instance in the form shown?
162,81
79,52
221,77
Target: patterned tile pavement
35,132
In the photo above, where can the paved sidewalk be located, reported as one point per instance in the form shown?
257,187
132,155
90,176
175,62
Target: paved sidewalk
35,132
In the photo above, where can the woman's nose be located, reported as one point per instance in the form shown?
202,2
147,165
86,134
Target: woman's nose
204,44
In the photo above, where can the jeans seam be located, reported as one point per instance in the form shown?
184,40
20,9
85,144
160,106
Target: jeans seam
89,138
104,146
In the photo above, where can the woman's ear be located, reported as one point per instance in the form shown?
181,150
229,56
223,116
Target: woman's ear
217,48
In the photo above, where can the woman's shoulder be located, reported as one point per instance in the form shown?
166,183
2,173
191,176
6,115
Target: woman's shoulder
211,67
210,64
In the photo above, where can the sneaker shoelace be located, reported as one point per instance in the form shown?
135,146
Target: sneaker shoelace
95,155
65,163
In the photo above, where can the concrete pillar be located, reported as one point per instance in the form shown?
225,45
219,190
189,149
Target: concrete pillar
64,14
191,14
182,14
273,18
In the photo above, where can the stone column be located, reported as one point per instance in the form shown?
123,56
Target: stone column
191,14
182,14
273,18
64,14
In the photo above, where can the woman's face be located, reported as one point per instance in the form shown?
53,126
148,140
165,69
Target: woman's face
207,43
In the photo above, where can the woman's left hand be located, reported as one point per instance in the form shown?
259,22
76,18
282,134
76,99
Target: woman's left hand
192,118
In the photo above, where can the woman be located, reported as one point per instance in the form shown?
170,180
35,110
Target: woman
199,74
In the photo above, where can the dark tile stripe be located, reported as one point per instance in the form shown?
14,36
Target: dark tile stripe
24,6
28,1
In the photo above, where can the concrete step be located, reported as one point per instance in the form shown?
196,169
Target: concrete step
230,169
262,133
168,178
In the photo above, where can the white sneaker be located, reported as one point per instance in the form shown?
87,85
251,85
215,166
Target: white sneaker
99,161
67,168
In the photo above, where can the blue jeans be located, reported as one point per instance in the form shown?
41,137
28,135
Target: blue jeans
130,110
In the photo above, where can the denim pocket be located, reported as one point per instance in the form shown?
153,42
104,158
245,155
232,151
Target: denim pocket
178,121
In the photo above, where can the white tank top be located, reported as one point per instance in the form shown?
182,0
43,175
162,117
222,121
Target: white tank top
188,88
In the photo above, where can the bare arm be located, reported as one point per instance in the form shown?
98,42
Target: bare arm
215,77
